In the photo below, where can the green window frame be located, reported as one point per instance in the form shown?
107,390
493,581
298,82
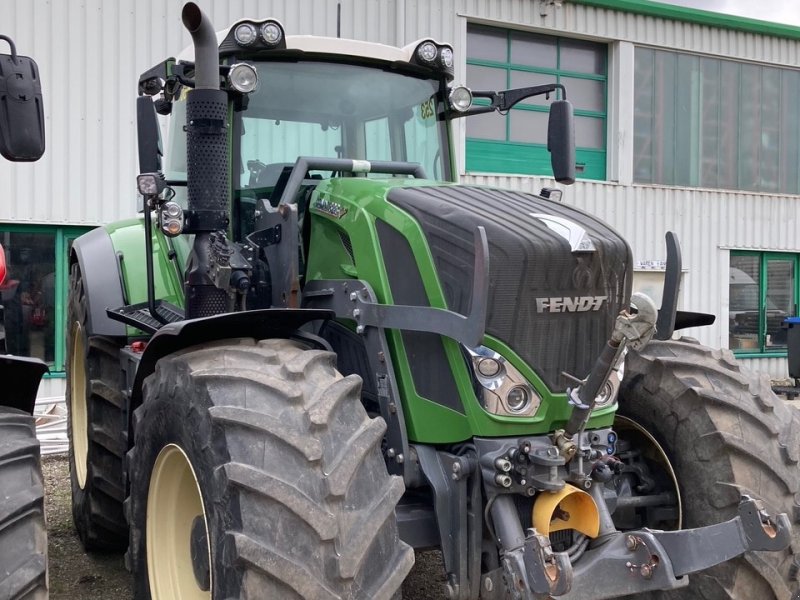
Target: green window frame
507,153
763,291
62,238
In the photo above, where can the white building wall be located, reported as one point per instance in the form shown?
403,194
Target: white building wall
91,52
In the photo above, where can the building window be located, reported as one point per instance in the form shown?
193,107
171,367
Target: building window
499,59
762,293
715,123
35,290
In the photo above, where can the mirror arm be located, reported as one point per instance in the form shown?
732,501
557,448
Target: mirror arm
507,99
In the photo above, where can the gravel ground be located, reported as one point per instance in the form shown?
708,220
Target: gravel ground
76,575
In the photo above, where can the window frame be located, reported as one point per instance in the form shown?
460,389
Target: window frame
526,158
63,234
764,257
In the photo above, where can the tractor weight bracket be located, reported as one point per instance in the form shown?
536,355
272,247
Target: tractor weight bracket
334,296
692,550
659,560
466,329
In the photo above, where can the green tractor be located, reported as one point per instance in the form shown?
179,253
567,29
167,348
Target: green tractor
23,535
315,353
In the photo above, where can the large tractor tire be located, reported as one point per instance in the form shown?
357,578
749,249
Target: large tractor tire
23,535
96,428
256,473
724,431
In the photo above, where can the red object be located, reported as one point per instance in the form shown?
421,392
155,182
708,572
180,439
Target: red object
138,346
2,265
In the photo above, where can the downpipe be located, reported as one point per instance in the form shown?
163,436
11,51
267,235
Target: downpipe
207,167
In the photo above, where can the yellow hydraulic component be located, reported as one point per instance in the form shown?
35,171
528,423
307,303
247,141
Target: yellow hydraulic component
569,508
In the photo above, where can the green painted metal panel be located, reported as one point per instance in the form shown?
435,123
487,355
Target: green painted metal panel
127,238
426,421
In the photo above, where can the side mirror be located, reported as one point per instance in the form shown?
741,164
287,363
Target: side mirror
21,107
149,136
561,141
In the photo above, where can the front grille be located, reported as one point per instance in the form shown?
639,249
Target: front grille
527,261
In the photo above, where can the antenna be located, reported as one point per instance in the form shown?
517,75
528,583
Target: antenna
339,20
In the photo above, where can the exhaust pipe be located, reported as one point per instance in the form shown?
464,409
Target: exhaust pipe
207,168
206,53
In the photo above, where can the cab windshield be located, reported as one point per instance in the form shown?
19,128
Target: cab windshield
320,109
335,110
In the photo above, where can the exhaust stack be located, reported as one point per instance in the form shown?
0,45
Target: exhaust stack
207,168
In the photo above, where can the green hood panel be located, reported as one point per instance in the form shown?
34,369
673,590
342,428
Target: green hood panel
350,218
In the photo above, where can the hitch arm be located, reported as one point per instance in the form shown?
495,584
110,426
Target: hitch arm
644,560
693,550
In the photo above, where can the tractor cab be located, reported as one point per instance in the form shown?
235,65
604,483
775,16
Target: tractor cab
307,96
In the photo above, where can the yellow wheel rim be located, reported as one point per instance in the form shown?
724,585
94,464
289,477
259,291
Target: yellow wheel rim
173,503
655,452
77,403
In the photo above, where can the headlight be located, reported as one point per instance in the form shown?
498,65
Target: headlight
503,389
518,399
243,78
271,33
488,367
245,34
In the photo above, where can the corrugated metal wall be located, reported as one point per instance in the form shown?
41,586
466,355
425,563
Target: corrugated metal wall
91,52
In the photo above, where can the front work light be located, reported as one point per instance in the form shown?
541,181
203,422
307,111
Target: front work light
447,57
150,184
271,33
460,98
427,52
243,78
245,34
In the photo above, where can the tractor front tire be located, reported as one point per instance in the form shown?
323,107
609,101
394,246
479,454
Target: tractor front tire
96,428
256,473
23,535
723,431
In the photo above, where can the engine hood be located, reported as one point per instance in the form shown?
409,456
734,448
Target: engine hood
558,276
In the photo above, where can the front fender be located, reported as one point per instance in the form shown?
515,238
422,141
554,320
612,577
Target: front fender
259,324
112,263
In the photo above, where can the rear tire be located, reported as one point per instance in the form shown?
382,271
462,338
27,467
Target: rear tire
723,429
97,429
277,455
23,535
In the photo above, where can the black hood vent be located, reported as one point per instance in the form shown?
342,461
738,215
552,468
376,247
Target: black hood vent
554,306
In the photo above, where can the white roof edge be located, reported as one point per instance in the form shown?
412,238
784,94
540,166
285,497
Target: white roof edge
329,45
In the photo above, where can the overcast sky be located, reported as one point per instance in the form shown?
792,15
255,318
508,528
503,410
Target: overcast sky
777,11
